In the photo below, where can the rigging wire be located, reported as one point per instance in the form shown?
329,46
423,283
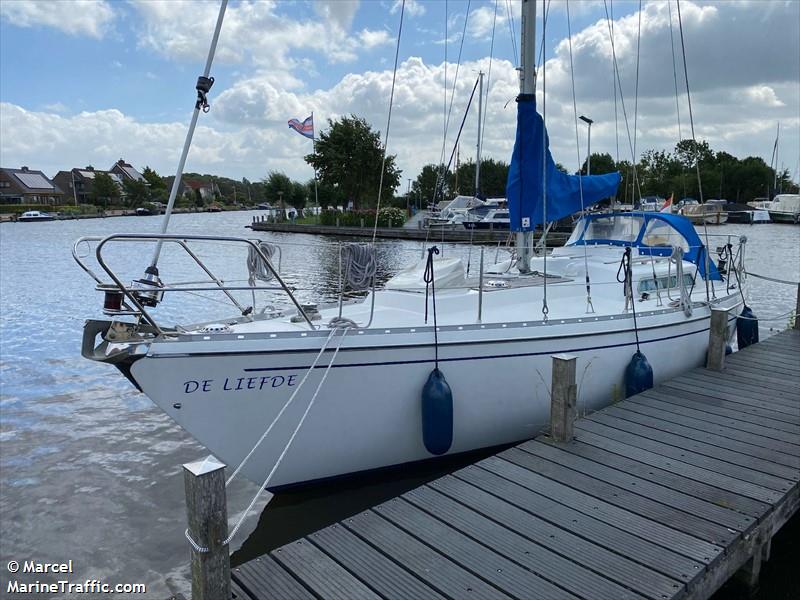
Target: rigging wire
545,309
621,97
449,111
489,73
589,305
696,153
388,121
510,20
677,101
616,116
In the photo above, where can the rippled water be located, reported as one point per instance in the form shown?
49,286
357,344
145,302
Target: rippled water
90,469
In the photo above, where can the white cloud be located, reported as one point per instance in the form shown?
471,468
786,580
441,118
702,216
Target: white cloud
251,32
482,19
371,39
93,18
413,7
739,92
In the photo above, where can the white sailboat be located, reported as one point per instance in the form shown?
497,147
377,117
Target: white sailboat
339,388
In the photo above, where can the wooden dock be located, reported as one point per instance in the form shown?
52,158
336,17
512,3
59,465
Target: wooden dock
478,236
665,495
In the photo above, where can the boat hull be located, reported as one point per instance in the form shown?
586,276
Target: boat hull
778,216
367,414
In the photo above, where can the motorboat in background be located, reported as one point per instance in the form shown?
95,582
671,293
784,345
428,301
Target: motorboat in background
785,208
32,216
710,213
494,218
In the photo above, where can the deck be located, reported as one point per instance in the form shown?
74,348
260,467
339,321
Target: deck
664,495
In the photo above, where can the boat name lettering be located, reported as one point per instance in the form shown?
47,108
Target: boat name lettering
236,384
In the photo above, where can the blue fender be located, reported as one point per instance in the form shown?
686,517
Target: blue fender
638,375
437,414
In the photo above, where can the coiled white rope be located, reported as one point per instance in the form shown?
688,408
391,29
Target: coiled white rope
360,265
256,267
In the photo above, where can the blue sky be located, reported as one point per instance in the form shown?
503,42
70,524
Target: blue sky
87,82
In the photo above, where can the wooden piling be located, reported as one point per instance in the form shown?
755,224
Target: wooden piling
207,515
797,309
717,337
563,395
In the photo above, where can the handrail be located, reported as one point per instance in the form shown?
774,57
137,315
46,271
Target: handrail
181,241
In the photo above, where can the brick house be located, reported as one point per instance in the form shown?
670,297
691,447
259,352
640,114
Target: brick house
28,186
77,183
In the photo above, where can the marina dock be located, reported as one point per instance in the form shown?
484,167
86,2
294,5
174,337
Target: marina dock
479,236
665,495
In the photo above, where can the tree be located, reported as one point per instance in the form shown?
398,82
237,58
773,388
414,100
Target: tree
350,155
154,179
494,175
329,195
104,189
600,164
425,185
136,191
277,187
297,195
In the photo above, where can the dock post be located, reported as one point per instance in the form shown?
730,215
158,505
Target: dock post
563,394
717,336
207,515
797,310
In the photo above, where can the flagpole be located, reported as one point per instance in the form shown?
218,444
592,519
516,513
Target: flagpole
314,150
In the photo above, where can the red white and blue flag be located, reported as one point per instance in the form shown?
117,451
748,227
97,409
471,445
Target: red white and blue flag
305,128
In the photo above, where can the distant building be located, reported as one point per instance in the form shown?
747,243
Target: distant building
127,171
77,183
28,186
206,190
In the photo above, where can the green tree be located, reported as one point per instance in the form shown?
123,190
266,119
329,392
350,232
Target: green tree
277,187
298,195
601,163
494,175
424,186
105,190
350,155
329,195
136,192
155,180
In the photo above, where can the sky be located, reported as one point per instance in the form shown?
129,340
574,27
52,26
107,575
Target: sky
86,82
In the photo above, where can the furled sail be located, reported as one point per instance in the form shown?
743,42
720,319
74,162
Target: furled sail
524,188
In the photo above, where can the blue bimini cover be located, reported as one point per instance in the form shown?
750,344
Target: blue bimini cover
525,189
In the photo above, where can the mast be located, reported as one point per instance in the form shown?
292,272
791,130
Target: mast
527,85
777,149
480,120
204,83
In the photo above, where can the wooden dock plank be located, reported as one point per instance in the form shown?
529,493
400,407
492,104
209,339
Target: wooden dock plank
669,447
742,423
769,381
326,578
697,507
649,508
485,562
777,397
788,449
698,485
683,543
476,484
518,535
263,577
697,447
778,412
769,460
766,361
372,567
722,407
438,571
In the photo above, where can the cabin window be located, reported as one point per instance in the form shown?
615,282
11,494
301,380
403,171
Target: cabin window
662,234
660,283
616,227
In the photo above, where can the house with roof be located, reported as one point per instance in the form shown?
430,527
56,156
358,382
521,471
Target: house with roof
28,186
126,171
77,183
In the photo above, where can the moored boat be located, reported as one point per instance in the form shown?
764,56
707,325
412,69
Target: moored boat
32,216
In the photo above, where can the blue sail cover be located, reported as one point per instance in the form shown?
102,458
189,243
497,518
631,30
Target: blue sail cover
524,188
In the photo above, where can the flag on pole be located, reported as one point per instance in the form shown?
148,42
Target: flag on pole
667,207
305,128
